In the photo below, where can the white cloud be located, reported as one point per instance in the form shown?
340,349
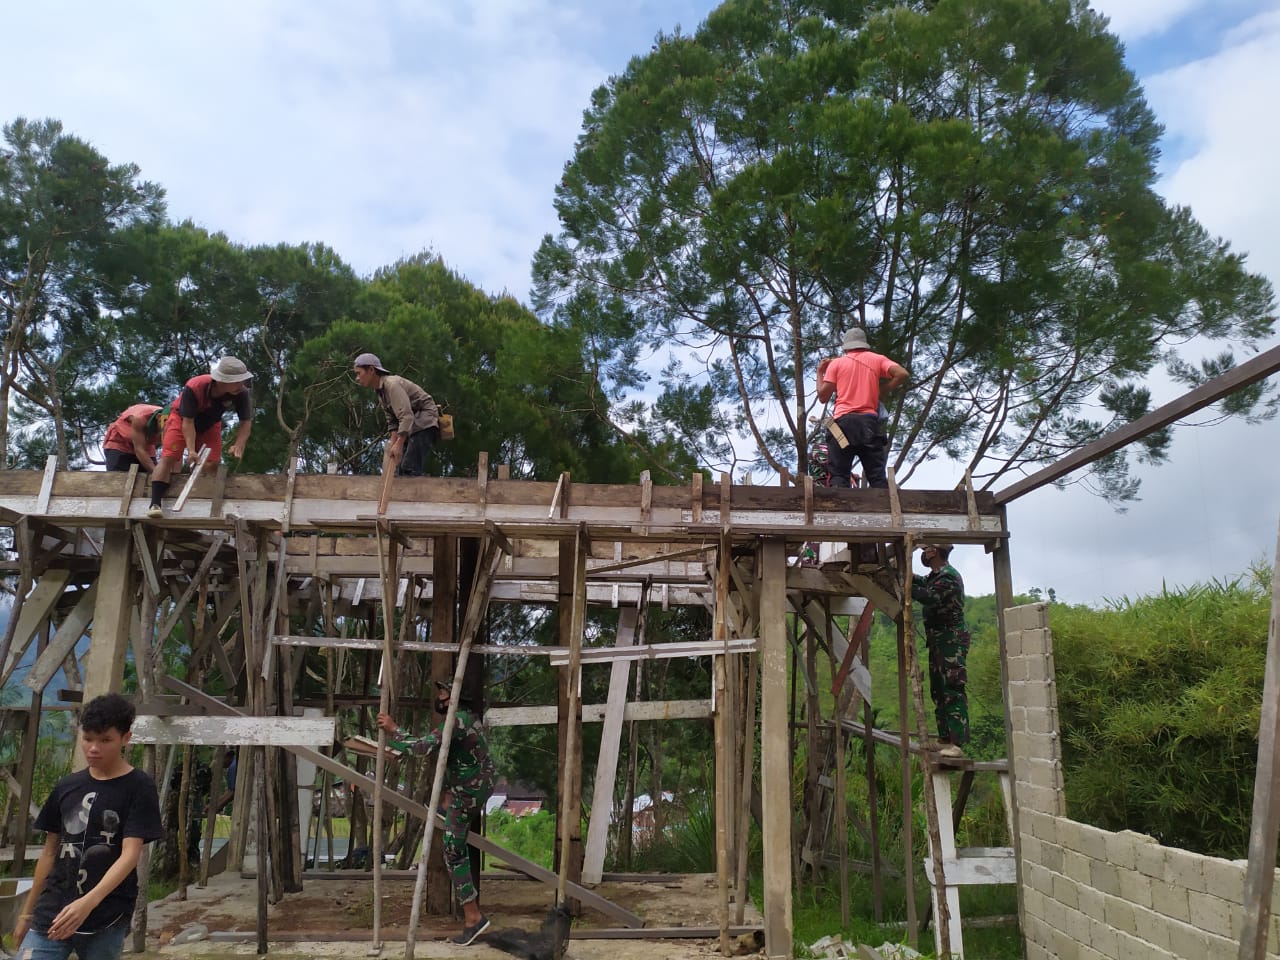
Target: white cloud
1133,19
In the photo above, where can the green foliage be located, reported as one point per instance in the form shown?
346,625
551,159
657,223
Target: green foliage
972,183
532,836
687,843
1158,701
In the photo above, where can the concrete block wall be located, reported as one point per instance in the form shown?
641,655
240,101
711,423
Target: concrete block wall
1086,893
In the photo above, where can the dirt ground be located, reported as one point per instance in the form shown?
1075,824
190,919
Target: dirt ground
335,907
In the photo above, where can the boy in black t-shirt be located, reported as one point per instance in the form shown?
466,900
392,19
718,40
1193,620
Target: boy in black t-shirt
96,822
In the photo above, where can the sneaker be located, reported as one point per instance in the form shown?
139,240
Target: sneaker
155,513
951,751
469,934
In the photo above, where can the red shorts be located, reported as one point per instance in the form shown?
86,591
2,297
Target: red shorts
175,444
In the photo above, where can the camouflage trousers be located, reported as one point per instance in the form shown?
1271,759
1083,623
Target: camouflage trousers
463,803
947,677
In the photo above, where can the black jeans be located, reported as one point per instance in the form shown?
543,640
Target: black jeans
413,462
119,460
867,442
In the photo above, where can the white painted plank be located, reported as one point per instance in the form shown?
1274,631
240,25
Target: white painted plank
973,871
595,713
236,731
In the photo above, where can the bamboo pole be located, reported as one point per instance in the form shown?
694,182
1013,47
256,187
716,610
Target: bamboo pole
476,607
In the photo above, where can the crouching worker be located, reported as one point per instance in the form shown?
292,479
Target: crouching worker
96,821
468,781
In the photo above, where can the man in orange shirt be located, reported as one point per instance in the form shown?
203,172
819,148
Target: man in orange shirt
132,438
859,380
196,421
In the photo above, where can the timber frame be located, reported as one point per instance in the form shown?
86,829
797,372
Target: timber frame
246,554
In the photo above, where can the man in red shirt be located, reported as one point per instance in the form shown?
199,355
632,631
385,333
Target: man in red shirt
132,438
859,380
196,422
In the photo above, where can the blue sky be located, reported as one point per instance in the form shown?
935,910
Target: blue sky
383,129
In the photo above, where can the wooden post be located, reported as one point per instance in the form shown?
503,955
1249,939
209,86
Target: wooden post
904,750
1259,877
610,742
444,629
104,662
388,557
722,775
570,864
744,796
1003,576
775,774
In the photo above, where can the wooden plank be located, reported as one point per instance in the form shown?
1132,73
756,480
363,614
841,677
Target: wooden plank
46,484
145,559
610,744
36,607
1259,877
1247,373
971,871
197,579
64,641
104,663
775,769
595,713
659,651
695,497
191,480
205,730
126,496
942,869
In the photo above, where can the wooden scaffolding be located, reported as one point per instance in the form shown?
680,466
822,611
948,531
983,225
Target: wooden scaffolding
247,555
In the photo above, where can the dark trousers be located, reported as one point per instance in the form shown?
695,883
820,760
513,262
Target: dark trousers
413,462
119,460
867,442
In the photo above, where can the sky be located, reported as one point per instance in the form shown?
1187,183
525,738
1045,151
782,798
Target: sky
383,129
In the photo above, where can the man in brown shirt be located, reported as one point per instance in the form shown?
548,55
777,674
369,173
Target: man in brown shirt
412,416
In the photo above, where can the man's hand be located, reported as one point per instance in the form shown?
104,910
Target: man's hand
822,366
237,448
70,918
397,446
387,723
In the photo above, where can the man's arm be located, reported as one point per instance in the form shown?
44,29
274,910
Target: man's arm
69,919
825,387
242,438
898,375
189,435
43,866
398,398
140,445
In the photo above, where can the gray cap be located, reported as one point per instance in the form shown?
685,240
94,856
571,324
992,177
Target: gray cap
371,360
229,370
856,339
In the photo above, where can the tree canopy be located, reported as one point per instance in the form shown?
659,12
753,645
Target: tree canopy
970,180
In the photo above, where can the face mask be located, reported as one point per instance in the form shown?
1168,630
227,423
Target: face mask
442,706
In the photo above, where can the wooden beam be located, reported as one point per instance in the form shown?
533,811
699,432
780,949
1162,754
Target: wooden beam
1246,374
64,641
610,743
1259,875
46,484
235,731
104,663
191,480
36,607
197,578
775,769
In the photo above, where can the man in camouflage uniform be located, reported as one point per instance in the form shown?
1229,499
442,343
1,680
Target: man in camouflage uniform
468,781
941,594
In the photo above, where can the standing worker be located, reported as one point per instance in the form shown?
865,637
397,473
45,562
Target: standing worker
196,421
468,781
132,438
941,594
859,380
412,416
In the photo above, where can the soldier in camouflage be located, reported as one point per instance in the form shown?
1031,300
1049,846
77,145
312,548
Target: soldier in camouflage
468,781
941,594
